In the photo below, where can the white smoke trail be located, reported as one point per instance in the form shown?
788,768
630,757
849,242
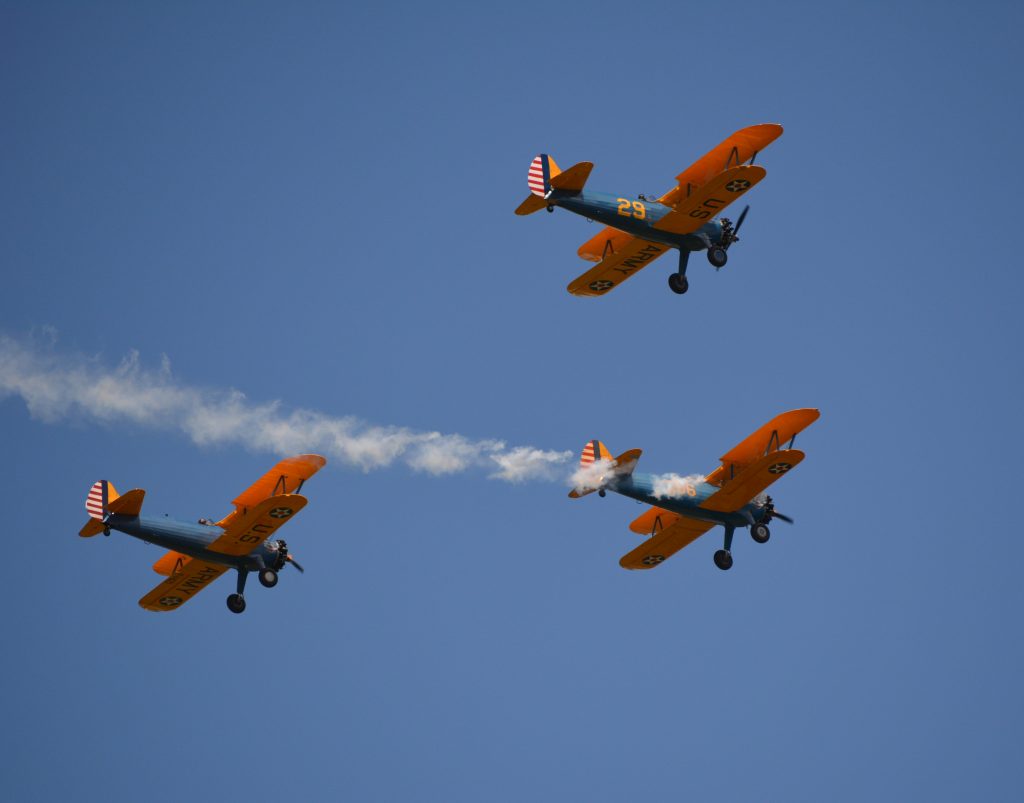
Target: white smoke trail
56,387
674,486
591,477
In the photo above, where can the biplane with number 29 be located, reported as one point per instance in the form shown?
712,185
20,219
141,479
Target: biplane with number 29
684,508
202,552
639,231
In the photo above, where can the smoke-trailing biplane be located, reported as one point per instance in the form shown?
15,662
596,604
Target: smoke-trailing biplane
639,231
684,508
202,552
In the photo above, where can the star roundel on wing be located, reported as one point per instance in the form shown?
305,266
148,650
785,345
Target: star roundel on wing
780,468
170,602
738,185
280,512
652,560
601,285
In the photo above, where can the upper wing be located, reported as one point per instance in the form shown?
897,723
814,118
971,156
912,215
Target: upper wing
187,579
284,478
668,539
615,268
768,438
711,198
250,528
752,480
737,149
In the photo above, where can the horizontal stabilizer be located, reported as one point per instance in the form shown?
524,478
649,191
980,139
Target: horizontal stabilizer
91,528
533,203
129,504
573,179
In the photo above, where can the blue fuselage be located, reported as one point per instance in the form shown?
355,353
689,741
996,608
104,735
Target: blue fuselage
190,539
637,217
642,488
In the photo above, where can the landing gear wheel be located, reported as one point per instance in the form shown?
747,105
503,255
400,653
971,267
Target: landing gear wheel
236,603
717,256
760,533
551,207
106,531
268,578
601,493
723,560
677,283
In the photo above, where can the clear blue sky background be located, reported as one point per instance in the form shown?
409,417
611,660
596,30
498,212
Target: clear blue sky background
312,203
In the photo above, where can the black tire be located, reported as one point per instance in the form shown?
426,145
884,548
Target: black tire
551,207
601,493
236,603
268,578
677,283
723,560
760,533
717,256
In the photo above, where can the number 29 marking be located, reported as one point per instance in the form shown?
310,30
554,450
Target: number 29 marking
628,208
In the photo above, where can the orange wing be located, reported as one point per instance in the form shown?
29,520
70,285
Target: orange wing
183,584
616,268
768,438
249,528
734,151
752,480
697,209
666,542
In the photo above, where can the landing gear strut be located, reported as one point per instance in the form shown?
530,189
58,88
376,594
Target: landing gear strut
677,281
723,557
236,602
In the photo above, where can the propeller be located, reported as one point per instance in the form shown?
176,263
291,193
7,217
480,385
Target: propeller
284,556
741,218
730,231
769,505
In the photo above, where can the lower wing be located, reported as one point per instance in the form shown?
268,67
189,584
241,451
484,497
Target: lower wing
671,533
183,584
615,268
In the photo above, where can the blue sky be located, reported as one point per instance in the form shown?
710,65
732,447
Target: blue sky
311,206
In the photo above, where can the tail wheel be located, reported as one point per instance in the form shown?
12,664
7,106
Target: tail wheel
717,256
760,533
723,559
236,603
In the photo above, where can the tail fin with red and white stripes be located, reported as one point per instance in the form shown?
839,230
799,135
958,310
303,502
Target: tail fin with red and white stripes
538,179
97,505
595,461
599,470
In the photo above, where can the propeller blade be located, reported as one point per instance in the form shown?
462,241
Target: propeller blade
742,217
294,563
782,517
